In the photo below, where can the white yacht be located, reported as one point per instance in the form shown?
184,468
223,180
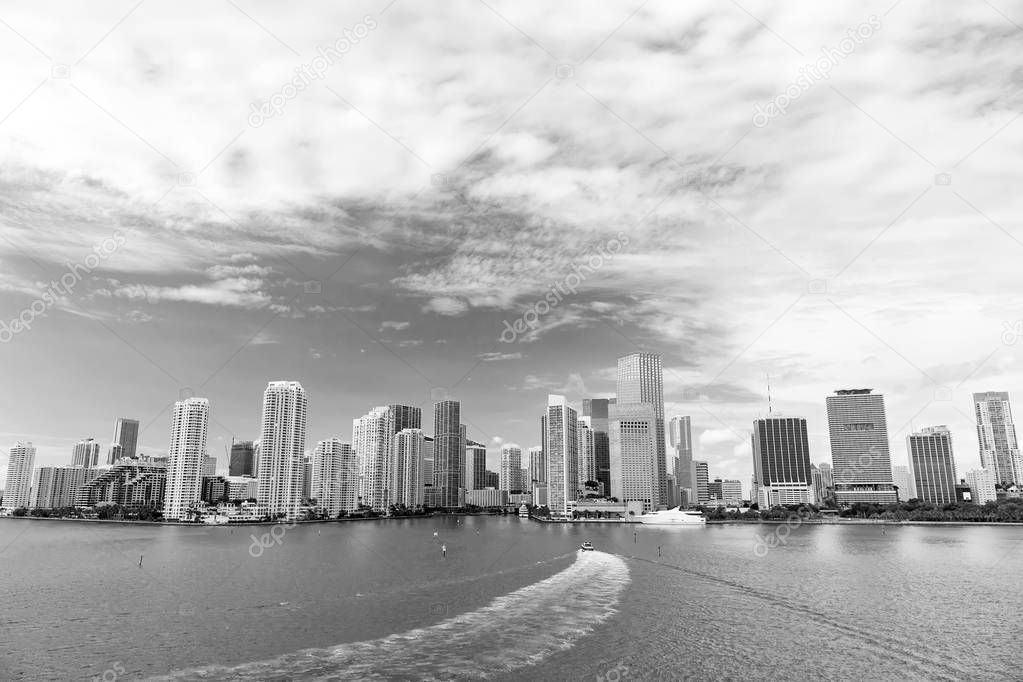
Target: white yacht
673,517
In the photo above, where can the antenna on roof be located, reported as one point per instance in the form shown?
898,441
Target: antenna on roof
768,393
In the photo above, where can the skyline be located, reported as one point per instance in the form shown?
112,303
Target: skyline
373,243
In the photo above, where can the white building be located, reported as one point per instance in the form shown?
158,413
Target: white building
85,453
17,491
406,480
242,487
185,457
982,485
996,435
373,441
58,486
562,451
510,475
488,497
282,449
633,445
334,476
587,455
902,478
641,381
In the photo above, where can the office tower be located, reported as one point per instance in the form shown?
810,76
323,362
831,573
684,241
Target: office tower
125,440
17,490
596,409
680,438
903,480
185,456
475,464
641,380
859,447
307,478
819,491
428,461
562,453
373,441
714,490
537,467
934,469
587,466
996,433
328,469
633,446
827,475
448,451
511,468
282,449
731,492
85,454
491,479
406,417
701,479
781,461
243,458
209,466
982,485
407,484
58,486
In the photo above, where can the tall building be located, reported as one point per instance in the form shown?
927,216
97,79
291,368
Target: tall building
982,485
209,466
184,457
58,486
17,491
827,474
448,452
934,469
641,380
858,432
307,478
820,492
511,468
701,480
373,441
587,456
537,467
562,453
597,409
996,433
407,484
406,417
731,492
902,477
282,449
781,461
680,438
475,464
633,445
85,454
125,440
243,458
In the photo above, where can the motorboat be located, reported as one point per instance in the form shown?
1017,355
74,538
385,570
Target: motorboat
673,517
586,546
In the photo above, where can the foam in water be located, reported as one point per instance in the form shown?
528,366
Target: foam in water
519,629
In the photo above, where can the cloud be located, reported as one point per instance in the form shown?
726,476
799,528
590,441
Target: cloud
391,324
446,305
496,357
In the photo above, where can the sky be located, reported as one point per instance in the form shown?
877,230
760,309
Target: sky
492,201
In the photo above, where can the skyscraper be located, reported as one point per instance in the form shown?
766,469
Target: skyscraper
125,440
333,461
58,486
641,380
407,485
902,477
858,432
185,456
680,437
701,479
537,467
587,457
781,461
982,485
633,446
596,409
996,433
17,491
934,469
562,453
243,458
448,451
85,454
511,468
731,492
475,464
406,417
282,449
373,441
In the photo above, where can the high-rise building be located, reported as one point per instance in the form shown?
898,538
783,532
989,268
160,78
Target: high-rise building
406,417
597,409
185,457
462,439
491,479
903,480
633,444
819,490
209,466
934,469
827,475
562,453
282,449
858,432
680,438
407,484
125,440
17,491
142,482
475,464
996,433
373,441
243,458
448,452
511,468
641,380
714,491
982,485
701,479
307,478
781,461
85,454
58,486
587,466
731,492
537,467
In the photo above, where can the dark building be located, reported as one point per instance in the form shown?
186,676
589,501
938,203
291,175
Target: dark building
406,417
597,410
214,489
125,440
781,461
490,479
448,452
243,458
934,469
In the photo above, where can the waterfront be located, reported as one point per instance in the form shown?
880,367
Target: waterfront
514,599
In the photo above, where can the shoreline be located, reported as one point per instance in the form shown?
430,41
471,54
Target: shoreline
188,524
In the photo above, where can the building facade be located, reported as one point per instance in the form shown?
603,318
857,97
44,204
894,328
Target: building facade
562,453
858,431
183,474
996,435
597,410
333,462
373,441
475,464
641,381
781,461
510,476
934,469
448,452
18,489
982,485
633,445
680,438
85,453
902,478
125,440
282,449
587,466
243,458
407,484
58,486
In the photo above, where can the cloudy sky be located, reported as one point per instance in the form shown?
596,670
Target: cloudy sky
364,197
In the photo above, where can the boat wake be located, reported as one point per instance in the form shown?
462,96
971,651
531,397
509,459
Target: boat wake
516,630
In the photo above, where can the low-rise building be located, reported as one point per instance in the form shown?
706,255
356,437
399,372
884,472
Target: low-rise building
488,497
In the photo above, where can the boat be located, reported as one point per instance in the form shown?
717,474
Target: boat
673,517
586,546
